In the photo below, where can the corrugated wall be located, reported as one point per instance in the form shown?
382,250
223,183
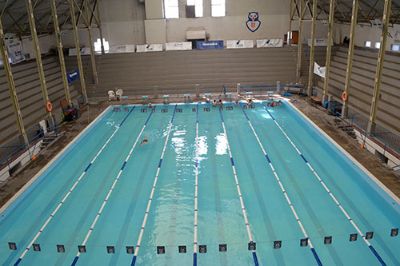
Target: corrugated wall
362,84
29,95
319,58
178,72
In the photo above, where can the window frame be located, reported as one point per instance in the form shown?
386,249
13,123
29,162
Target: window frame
395,45
106,45
198,5
221,4
171,7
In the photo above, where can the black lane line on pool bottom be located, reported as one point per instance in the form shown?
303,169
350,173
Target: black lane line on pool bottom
313,251
139,241
244,212
338,204
105,201
69,192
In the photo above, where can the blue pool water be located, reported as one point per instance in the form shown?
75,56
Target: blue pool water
210,183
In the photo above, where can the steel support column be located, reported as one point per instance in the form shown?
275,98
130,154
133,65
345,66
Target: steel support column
78,49
38,55
11,85
350,53
92,56
312,49
91,44
329,48
302,6
379,67
57,33
290,18
98,21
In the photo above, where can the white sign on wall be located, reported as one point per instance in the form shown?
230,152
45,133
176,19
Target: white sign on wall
234,44
14,48
120,49
319,42
319,70
177,46
270,43
84,51
149,48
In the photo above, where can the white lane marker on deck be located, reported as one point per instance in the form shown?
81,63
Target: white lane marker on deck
139,241
244,212
337,203
110,191
289,202
69,192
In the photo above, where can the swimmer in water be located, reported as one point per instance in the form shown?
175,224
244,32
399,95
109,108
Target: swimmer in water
144,141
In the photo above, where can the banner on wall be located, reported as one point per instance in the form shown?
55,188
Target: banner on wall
177,46
149,48
210,45
319,42
253,22
237,44
120,49
72,76
14,48
319,70
269,43
84,51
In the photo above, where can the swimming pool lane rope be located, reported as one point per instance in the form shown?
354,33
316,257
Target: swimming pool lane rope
338,204
146,214
110,191
289,202
196,190
244,212
66,196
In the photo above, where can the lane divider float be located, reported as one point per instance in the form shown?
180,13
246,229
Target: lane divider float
66,196
337,203
289,202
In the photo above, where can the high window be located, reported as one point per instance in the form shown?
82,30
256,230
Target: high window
171,8
218,8
198,7
396,47
97,46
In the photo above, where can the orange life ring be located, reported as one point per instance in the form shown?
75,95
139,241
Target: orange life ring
344,96
49,106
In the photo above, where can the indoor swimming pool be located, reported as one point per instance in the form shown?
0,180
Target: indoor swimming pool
193,184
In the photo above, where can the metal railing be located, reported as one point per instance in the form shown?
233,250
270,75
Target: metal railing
387,140
16,146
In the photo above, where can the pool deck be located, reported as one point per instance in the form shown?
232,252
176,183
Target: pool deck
317,115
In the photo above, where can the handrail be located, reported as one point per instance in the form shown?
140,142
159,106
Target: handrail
20,149
385,146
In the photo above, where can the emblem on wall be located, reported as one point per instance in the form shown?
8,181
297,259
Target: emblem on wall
253,22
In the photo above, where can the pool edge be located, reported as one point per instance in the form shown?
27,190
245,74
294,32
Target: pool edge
36,176
348,155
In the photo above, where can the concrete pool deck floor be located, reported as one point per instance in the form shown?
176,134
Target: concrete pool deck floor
317,115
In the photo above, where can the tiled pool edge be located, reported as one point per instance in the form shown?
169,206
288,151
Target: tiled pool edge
48,164
348,155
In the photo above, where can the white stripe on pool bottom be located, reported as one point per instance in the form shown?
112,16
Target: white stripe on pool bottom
65,197
116,179
338,204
